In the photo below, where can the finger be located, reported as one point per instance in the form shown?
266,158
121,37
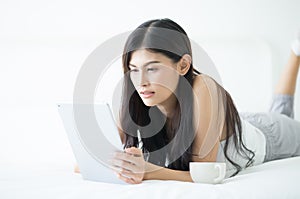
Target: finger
116,169
122,164
134,151
126,157
129,174
125,179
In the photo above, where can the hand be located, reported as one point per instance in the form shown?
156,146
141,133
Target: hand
129,165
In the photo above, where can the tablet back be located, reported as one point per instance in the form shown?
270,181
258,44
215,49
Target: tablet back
93,136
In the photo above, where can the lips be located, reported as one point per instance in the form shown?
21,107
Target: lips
147,94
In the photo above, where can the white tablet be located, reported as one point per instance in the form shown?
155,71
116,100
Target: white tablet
93,136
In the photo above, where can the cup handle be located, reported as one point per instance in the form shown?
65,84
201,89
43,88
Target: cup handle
219,178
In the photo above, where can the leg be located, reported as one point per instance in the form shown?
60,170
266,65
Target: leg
283,99
282,138
288,79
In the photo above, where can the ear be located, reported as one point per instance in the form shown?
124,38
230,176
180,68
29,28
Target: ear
184,64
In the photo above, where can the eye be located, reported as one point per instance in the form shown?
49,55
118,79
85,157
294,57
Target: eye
151,69
133,70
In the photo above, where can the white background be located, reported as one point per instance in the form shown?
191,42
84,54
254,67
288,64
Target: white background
44,43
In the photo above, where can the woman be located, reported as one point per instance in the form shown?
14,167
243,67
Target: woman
171,114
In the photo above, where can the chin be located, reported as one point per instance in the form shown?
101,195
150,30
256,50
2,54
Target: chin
147,103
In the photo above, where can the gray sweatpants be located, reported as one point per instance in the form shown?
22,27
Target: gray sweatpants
282,132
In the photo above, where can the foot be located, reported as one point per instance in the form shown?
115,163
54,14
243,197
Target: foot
296,44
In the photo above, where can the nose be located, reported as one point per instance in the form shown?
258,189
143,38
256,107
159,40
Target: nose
143,80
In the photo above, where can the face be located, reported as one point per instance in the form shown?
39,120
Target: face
154,77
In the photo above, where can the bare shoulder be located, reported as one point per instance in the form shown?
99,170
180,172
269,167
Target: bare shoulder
202,81
206,86
202,99
205,144
202,86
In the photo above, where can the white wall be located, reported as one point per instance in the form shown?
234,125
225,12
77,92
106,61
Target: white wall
61,25
32,80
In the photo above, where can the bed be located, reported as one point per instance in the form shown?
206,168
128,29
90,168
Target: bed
277,179
36,158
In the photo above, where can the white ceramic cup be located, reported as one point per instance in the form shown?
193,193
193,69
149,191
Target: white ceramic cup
208,172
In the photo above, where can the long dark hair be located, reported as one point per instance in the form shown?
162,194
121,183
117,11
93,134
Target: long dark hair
174,142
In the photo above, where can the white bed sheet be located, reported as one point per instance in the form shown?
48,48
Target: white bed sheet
276,179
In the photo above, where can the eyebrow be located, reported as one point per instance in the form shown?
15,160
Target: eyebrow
146,64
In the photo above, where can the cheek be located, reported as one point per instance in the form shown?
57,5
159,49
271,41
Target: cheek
133,80
168,80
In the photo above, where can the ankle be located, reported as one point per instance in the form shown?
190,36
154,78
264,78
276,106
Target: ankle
296,47
296,44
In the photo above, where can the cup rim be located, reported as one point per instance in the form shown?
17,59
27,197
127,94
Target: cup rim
207,163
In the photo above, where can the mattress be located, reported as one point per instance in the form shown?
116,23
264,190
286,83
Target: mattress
276,179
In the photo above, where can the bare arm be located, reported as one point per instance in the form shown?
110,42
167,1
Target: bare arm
132,168
160,173
209,119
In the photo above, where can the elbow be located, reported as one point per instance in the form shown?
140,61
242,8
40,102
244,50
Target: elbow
76,169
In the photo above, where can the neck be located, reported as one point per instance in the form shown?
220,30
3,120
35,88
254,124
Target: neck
168,108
